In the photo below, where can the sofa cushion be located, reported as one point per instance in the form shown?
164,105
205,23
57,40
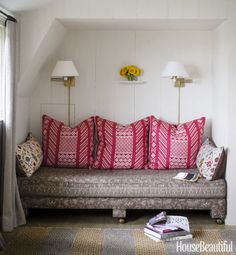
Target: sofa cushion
174,146
29,156
209,161
60,182
68,147
121,147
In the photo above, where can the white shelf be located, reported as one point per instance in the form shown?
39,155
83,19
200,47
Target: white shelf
132,82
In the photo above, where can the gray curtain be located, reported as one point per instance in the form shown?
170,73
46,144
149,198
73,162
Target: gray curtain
12,211
2,146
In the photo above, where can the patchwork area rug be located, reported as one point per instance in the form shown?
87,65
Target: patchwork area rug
108,241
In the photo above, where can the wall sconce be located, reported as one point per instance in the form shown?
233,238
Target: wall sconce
66,72
177,72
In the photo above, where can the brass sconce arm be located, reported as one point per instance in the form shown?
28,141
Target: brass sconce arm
180,82
68,81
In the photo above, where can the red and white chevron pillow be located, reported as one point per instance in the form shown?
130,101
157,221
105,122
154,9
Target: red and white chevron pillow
174,146
121,147
68,147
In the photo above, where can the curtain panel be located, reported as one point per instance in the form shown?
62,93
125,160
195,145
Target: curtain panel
12,211
2,148
2,143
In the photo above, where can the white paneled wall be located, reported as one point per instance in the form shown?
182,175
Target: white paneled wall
98,56
151,51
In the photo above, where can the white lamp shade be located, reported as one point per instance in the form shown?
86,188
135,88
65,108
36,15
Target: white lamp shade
65,69
174,68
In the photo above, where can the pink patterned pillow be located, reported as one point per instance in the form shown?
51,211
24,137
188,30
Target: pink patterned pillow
174,146
68,147
121,147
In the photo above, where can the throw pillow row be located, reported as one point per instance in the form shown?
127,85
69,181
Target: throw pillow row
122,147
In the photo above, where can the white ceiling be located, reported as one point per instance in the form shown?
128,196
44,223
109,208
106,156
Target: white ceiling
22,5
141,24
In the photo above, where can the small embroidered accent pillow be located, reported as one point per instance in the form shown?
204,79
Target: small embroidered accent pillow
209,161
29,156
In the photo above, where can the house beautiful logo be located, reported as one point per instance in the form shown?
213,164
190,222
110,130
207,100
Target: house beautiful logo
222,247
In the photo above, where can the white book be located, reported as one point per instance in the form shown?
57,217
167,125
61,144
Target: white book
165,235
173,222
178,221
176,238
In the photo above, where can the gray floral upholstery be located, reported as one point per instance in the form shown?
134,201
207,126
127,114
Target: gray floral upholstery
120,190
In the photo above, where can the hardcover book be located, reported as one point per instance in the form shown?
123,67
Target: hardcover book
177,238
165,235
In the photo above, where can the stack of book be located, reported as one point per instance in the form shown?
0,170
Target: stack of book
167,228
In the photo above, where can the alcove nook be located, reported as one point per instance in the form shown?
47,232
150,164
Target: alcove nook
99,47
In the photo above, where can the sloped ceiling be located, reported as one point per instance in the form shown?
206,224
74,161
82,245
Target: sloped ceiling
47,48
58,30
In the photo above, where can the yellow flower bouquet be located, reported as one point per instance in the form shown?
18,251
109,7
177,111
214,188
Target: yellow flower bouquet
131,73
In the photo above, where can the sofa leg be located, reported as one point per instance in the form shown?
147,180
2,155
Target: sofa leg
219,221
218,211
119,213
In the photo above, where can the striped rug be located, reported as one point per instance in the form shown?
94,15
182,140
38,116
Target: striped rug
108,241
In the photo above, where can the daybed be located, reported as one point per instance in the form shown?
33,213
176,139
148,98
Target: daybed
122,147
120,190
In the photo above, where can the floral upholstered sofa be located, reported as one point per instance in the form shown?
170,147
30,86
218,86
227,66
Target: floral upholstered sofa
119,182
120,190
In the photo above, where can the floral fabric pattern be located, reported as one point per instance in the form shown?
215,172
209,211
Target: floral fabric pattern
29,156
120,190
62,182
209,161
